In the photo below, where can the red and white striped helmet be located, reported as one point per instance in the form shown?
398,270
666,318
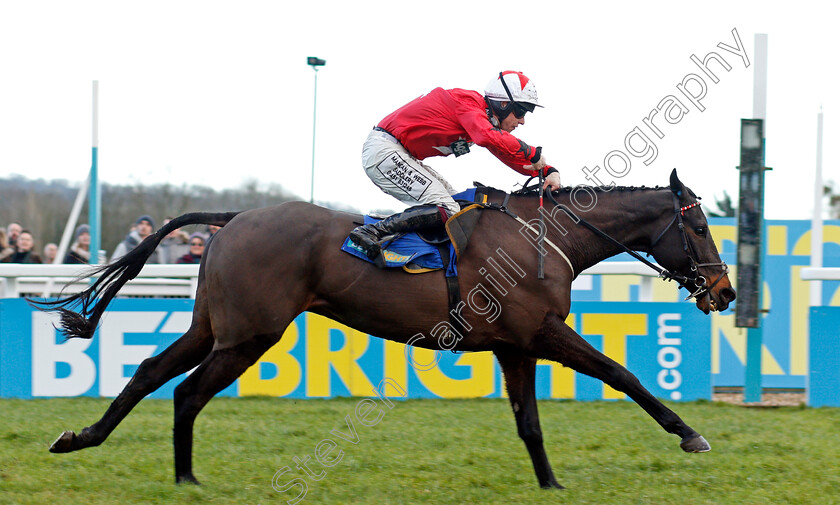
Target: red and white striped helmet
521,88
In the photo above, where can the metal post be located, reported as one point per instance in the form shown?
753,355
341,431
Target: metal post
752,377
314,62
94,195
816,219
314,116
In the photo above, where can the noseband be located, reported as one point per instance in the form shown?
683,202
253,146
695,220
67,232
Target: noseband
699,281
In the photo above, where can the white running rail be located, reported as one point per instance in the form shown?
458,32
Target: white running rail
180,281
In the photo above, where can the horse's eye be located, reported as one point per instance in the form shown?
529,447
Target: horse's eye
700,230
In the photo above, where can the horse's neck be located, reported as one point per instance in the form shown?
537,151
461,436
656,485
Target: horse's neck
631,217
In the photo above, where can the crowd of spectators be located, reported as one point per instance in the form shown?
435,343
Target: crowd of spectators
19,245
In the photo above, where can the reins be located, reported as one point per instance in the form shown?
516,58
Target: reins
699,281
663,272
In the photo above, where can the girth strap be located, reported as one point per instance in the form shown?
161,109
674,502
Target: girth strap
453,290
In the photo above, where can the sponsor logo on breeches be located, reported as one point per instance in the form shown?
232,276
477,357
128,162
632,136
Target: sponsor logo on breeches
404,176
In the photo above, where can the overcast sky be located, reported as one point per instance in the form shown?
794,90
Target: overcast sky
215,93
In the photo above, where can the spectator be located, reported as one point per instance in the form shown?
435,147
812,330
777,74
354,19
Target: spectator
24,250
173,246
197,243
79,252
143,228
5,250
12,232
50,250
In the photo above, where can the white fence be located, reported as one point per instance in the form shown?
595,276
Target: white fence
176,281
180,281
820,274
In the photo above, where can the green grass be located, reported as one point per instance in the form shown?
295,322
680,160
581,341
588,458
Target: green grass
423,451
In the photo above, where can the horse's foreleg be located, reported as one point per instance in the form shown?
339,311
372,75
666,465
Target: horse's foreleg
184,354
216,372
520,373
558,342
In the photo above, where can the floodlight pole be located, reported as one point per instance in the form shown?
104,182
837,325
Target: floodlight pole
314,63
94,194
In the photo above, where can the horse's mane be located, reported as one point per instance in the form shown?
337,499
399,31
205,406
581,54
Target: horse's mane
533,190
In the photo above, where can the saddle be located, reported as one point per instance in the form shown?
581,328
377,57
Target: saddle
434,250
429,250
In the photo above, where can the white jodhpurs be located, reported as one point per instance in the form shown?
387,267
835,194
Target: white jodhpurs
397,173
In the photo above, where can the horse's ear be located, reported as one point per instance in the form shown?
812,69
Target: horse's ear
677,186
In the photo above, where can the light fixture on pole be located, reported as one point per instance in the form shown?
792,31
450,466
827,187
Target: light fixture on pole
314,62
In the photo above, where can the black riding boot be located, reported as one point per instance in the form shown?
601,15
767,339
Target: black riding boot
370,236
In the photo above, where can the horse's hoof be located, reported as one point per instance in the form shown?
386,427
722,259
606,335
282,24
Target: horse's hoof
64,443
552,485
695,444
187,479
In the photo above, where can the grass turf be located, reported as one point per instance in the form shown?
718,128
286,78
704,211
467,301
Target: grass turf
422,451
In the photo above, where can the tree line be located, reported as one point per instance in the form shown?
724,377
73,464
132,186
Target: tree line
43,207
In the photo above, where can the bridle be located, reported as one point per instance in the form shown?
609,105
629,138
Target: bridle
699,281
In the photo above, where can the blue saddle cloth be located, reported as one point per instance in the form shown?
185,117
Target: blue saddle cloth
410,251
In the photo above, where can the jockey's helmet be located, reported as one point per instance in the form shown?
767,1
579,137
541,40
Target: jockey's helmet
516,89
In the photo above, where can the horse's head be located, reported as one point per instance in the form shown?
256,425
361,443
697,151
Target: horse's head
686,248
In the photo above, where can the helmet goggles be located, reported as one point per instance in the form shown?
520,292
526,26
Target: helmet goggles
519,108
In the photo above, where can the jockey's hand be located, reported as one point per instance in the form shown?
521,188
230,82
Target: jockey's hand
552,181
538,166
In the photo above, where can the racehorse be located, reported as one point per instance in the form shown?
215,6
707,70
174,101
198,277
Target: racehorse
266,266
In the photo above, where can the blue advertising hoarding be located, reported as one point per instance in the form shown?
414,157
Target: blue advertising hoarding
785,332
786,301
824,357
665,344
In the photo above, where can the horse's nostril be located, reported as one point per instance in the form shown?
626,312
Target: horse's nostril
727,294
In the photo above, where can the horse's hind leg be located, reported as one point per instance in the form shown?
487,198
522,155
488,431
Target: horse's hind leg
184,354
215,373
520,374
558,342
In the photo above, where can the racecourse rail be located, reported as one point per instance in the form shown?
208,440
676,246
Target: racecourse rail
180,281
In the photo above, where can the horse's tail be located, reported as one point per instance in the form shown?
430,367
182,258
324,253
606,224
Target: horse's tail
111,278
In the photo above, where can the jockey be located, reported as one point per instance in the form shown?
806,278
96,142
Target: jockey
440,123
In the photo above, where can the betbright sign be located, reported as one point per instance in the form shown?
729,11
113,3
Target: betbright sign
666,345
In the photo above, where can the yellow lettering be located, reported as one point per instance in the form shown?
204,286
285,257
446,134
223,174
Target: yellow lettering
799,307
777,240
480,383
396,364
562,378
722,232
723,326
831,233
614,328
288,369
616,288
319,358
665,291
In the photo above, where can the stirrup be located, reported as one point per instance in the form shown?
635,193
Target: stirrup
368,242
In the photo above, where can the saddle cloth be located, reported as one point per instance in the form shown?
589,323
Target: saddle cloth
415,255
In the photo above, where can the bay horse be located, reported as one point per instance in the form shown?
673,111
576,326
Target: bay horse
266,266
